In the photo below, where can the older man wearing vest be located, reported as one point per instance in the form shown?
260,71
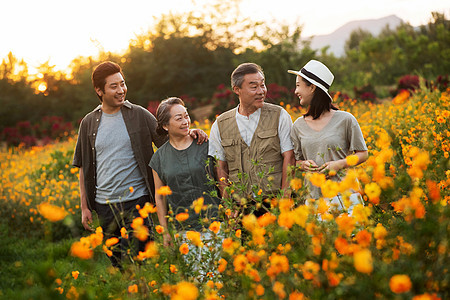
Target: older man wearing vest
252,138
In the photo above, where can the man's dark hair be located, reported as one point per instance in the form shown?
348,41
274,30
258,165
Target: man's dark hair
320,102
237,77
102,71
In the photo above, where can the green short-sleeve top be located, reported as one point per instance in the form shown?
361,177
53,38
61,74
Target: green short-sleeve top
185,172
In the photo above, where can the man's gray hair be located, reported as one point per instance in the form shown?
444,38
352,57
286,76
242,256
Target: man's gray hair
237,77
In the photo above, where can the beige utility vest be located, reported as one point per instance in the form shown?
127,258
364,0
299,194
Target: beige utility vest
261,163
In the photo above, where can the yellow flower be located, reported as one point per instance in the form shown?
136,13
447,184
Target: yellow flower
330,189
51,212
164,191
400,284
185,291
317,179
249,222
352,160
195,238
215,227
373,191
362,260
198,205
380,232
296,184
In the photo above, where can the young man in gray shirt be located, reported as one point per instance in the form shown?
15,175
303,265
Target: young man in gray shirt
113,150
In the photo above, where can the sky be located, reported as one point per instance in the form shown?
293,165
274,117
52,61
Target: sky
59,30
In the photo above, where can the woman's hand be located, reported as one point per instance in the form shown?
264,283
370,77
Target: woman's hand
332,167
308,166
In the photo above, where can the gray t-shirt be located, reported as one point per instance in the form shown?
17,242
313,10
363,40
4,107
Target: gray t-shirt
117,168
185,172
338,139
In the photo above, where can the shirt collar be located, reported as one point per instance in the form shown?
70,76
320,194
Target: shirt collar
256,114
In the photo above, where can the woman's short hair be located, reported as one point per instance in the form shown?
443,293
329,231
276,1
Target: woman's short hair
163,112
320,102
237,77
102,71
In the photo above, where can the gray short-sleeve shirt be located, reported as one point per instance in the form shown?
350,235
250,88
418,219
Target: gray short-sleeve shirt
338,139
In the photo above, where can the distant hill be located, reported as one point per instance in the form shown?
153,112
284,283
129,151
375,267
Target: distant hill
336,40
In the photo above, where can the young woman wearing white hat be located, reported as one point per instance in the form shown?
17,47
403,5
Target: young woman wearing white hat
324,136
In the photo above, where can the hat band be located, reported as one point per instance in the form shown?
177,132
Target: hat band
314,77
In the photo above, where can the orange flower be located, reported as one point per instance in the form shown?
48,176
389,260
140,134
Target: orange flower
75,274
296,296
173,269
341,245
240,262
184,249
141,233
181,217
82,250
131,189
238,233
133,289
159,229
363,238
362,261
352,160
310,269
222,265
164,191
186,291
111,241
151,250
51,212
345,224
215,227
259,290
278,289
123,233
400,284
266,219
330,189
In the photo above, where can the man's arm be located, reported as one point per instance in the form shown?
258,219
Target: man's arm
222,175
288,160
86,214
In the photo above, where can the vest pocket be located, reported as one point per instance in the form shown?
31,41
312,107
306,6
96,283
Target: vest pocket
269,141
230,148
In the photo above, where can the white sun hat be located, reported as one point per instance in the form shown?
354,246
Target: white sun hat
318,74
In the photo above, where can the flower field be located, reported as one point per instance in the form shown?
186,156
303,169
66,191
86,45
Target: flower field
396,246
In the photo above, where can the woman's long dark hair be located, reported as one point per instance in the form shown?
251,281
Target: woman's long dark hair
319,103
